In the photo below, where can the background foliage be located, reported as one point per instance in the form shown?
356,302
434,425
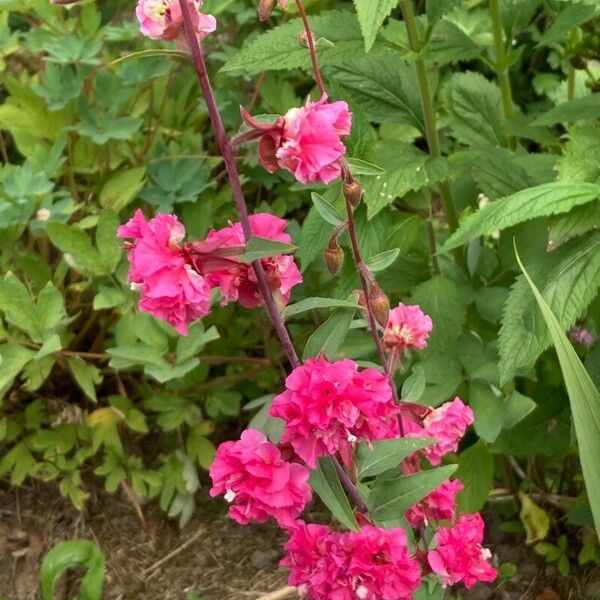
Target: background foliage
97,121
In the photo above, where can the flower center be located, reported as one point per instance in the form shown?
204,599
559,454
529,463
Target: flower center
156,9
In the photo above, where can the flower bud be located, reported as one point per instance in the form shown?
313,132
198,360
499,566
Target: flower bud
380,305
265,8
334,257
578,62
353,192
303,39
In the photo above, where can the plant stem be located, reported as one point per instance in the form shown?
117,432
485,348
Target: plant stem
350,487
310,40
502,64
242,209
433,140
234,178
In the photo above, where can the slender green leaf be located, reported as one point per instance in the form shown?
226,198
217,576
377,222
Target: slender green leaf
381,456
314,303
258,248
329,337
327,211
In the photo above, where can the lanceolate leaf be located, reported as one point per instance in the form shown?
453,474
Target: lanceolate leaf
386,454
258,248
326,483
371,14
330,335
314,303
584,398
546,199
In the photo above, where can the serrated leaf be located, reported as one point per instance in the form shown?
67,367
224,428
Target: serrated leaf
86,375
569,17
371,15
542,200
436,9
579,109
326,483
579,157
378,457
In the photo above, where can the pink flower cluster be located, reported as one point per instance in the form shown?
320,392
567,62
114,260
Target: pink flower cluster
447,424
175,280
459,556
170,289
162,19
257,481
238,280
439,505
306,141
329,406
408,327
370,564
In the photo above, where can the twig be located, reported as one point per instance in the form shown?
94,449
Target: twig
174,552
310,40
280,594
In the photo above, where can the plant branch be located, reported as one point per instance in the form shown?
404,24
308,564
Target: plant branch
234,178
310,40
350,487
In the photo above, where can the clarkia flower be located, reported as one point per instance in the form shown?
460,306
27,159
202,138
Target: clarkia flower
170,289
238,280
582,335
459,556
439,505
306,141
162,19
408,327
258,483
328,406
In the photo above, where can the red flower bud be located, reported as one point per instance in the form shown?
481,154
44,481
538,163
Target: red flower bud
353,192
380,305
334,257
265,8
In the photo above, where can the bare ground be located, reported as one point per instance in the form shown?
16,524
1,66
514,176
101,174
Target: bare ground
211,556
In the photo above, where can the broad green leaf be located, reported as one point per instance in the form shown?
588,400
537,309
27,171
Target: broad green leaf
578,161
137,355
371,15
278,48
542,200
315,303
584,398
17,305
580,109
122,188
13,359
476,471
414,386
391,498
315,235
474,105
109,246
534,518
569,279
436,9
258,248
327,211
449,43
330,335
86,375
384,86
76,245
382,261
50,307
374,459
488,408
441,299
67,555
326,483
572,15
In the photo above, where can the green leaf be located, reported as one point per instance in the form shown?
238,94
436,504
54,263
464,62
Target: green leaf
258,248
17,305
534,518
542,200
76,245
122,188
371,15
441,299
65,556
584,398
315,303
137,355
374,459
362,167
569,17
436,9
487,405
109,246
391,498
384,86
50,307
476,471
326,483
382,261
474,106
278,48
449,43
580,109
578,161
569,278
327,211
13,359
331,334
86,375
414,386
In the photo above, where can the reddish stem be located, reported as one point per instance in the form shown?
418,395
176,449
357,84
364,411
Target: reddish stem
310,40
234,178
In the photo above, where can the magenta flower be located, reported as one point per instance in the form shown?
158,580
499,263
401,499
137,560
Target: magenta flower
327,407
238,280
584,336
408,327
162,19
459,556
306,141
257,481
169,287
372,564
439,505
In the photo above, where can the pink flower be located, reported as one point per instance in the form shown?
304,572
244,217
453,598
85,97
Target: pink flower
169,287
407,327
329,406
238,282
439,505
582,335
162,19
447,424
306,141
257,481
371,564
459,556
